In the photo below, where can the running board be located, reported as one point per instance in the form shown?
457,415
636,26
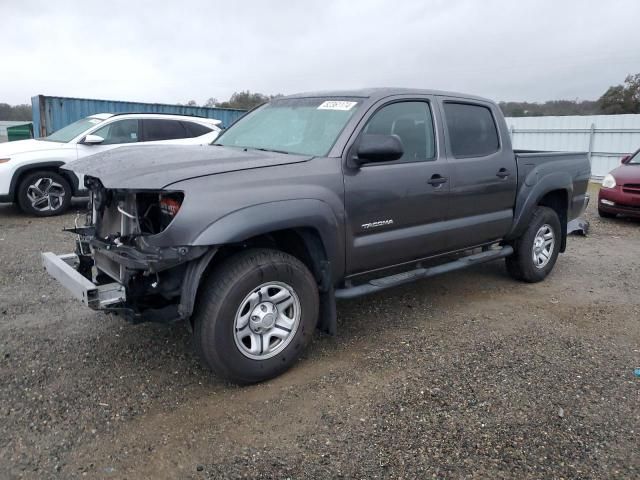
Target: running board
383,283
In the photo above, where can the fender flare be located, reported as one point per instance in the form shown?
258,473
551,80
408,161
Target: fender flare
263,218
532,192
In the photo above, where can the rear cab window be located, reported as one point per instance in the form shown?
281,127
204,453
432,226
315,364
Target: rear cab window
472,130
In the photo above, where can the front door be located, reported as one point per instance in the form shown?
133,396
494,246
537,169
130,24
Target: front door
394,208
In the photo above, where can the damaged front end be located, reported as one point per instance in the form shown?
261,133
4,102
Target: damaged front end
119,266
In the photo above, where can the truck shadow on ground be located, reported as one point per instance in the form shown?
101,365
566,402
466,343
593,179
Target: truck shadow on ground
166,351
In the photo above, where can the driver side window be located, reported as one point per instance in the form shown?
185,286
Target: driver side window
412,122
123,131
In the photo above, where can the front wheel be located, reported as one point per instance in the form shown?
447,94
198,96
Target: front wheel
44,194
255,315
537,249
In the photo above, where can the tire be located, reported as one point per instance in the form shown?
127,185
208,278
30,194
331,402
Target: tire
604,214
234,310
532,260
44,194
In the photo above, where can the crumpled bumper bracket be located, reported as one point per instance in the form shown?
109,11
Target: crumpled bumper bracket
146,258
97,297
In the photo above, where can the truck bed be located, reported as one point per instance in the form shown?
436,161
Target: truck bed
562,170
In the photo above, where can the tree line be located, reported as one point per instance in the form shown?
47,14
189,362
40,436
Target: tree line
245,100
15,112
623,98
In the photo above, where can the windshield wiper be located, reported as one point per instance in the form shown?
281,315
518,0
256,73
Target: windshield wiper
269,150
251,148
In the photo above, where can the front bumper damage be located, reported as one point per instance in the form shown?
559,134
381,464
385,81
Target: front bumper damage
64,269
153,286
118,267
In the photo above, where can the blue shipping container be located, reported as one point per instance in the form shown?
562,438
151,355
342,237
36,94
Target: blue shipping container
53,113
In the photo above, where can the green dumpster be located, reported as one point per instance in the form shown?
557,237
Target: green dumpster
20,132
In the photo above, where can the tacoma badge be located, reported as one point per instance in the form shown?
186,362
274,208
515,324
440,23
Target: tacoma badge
379,223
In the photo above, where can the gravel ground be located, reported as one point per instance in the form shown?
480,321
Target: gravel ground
468,374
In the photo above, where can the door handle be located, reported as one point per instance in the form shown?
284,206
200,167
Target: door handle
437,180
503,173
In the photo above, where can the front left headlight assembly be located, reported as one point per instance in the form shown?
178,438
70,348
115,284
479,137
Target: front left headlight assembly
609,181
156,210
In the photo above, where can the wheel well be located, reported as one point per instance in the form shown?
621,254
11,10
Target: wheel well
21,174
558,201
303,243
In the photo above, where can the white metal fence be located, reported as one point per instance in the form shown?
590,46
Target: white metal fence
606,138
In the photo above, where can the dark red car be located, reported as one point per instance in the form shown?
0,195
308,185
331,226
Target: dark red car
620,192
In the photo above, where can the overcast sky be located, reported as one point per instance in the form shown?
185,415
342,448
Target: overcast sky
174,51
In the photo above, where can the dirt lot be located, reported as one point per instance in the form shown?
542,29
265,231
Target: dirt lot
468,374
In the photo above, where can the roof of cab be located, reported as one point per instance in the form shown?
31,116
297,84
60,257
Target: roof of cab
379,93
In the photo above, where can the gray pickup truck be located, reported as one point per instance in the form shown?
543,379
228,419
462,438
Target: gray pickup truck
306,199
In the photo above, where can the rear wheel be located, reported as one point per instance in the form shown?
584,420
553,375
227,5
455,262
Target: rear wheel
255,315
604,214
44,194
537,249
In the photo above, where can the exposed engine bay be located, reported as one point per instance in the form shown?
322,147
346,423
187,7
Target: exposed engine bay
115,244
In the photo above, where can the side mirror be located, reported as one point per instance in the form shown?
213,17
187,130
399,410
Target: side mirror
624,160
379,148
92,140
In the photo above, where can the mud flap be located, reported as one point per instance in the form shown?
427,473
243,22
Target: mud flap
328,316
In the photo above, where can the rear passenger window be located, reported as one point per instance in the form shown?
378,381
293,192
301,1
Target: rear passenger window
155,130
472,131
195,129
411,121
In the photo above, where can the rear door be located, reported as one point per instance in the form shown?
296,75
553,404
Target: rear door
483,177
394,209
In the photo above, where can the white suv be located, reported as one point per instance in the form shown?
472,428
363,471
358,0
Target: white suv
29,169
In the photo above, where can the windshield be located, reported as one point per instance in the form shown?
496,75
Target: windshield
635,160
308,126
68,133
